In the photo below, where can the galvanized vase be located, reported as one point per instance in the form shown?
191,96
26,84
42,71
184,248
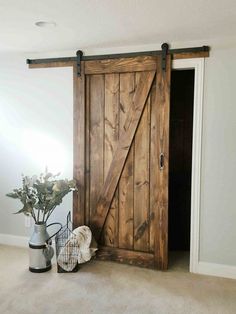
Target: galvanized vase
40,248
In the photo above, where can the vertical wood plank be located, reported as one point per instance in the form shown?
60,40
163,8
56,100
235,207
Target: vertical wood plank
161,215
87,157
141,180
110,231
127,88
154,162
96,141
79,146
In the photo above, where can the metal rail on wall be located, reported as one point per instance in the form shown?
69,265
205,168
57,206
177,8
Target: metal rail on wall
80,57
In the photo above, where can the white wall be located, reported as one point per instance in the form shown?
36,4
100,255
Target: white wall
42,100
35,131
218,207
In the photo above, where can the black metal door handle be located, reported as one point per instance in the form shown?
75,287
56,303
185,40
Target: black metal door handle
161,161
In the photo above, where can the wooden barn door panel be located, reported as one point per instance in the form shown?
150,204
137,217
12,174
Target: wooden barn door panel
123,197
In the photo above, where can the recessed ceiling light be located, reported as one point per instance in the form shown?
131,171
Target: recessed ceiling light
45,24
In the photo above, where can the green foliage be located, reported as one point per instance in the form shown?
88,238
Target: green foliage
41,194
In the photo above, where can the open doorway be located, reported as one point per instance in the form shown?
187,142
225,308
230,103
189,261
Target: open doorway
180,166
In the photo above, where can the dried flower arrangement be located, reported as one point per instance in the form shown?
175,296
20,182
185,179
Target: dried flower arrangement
40,195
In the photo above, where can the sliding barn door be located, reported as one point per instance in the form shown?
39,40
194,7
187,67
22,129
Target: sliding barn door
121,139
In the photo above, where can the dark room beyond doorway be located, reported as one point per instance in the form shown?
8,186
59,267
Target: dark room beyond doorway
180,167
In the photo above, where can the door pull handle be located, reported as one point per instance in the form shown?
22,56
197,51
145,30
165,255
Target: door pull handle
161,161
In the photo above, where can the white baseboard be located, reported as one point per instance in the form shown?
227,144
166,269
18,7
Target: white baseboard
203,268
219,270
9,239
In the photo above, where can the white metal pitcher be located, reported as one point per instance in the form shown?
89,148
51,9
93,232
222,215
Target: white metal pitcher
40,248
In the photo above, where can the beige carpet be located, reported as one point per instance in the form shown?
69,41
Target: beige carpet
104,287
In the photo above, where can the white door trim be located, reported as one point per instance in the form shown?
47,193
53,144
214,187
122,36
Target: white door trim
198,65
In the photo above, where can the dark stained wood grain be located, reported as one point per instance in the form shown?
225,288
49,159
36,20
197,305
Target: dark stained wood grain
154,162
79,147
145,226
126,191
111,136
97,91
122,150
141,259
87,151
52,65
161,207
121,65
190,55
141,178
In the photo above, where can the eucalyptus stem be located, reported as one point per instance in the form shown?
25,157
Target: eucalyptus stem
49,214
44,212
38,215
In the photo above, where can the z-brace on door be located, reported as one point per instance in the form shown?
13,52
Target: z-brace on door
121,147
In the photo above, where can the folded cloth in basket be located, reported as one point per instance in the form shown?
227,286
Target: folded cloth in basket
77,249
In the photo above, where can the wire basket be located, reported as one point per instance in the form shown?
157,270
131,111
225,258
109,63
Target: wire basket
66,249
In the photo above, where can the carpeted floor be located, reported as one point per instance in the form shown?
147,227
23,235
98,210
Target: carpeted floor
104,287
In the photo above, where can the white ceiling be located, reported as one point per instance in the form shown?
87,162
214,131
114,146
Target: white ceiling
86,24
